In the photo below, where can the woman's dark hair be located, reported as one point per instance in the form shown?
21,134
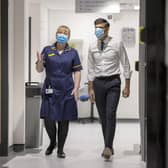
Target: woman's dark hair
102,20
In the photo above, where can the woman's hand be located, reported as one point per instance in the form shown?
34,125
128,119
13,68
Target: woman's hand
75,93
39,57
39,62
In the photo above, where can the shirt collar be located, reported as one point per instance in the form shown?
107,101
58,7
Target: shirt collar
67,47
106,40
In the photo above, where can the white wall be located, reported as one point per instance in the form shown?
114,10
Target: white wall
39,38
34,13
82,27
17,54
19,76
11,68
19,11
129,108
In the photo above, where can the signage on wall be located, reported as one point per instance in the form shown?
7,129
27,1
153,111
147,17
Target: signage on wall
128,36
97,6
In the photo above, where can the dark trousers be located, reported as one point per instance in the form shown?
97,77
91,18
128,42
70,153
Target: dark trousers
63,127
107,94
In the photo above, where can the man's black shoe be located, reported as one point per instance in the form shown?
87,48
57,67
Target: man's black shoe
50,149
112,151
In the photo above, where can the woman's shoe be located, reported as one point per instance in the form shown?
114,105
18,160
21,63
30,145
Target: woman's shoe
50,149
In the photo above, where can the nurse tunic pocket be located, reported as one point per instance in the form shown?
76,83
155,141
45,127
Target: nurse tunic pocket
57,104
70,107
52,105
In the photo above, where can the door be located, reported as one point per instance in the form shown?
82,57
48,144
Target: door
153,78
153,82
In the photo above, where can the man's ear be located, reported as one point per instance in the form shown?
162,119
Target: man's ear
108,28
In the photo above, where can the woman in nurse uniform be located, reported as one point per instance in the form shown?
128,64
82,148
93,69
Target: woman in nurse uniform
60,89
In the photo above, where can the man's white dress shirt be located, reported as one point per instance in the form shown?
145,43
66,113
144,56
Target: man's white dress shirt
107,62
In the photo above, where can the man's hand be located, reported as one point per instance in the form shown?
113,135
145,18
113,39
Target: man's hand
91,91
92,95
126,92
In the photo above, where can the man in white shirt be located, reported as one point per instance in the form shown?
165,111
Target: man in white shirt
104,61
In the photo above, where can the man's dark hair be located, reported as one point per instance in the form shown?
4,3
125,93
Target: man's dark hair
101,20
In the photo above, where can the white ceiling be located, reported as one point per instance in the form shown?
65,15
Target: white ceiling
121,1
135,2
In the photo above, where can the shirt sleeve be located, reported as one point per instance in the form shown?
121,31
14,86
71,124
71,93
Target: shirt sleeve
125,61
91,65
76,65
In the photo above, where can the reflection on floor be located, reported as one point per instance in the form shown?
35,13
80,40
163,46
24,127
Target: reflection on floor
83,149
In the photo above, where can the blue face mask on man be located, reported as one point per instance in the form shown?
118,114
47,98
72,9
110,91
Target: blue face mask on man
61,38
99,32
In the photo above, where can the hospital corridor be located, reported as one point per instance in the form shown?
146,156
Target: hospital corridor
84,150
83,83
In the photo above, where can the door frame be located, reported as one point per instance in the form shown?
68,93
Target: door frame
152,153
4,78
155,96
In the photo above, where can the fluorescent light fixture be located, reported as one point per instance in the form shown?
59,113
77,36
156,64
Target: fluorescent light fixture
113,7
136,7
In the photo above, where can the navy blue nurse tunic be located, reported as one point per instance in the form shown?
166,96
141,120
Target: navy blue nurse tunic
60,105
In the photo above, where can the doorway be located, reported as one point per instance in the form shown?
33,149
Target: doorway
83,32
153,66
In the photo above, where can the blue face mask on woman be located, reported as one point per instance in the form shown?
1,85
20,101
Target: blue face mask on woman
99,32
61,38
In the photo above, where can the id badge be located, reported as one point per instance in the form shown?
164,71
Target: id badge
49,91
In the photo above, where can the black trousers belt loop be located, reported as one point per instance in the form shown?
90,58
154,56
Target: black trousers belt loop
108,77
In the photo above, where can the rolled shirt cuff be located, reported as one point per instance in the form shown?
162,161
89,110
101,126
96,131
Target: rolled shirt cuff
127,75
91,78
